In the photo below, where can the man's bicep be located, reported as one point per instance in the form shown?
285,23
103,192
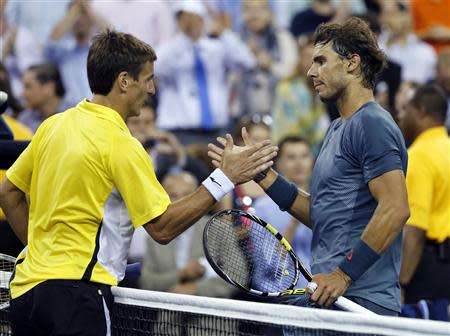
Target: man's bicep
389,187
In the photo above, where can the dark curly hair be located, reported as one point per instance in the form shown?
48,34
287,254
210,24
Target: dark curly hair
354,37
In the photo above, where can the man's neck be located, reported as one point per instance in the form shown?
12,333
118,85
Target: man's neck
425,125
352,99
111,102
50,107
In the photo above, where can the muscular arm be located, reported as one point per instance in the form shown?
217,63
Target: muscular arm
413,244
391,213
300,207
180,215
14,203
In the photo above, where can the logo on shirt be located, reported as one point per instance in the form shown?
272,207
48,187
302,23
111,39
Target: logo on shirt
214,181
350,256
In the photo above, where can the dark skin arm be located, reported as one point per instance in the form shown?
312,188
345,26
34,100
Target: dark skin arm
413,245
14,203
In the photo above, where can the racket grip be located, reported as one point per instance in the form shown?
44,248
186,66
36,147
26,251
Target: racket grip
350,306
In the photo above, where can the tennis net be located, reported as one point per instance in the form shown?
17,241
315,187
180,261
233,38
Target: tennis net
138,312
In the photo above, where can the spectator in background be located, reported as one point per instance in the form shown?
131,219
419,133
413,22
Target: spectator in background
389,80
425,271
276,56
43,93
306,21
321,11
443,78
432,22
399,40
19,48
150,21
180,266
38,17
70,54
295,162
297,108
166,151
192,77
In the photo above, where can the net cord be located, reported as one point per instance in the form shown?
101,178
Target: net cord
282,314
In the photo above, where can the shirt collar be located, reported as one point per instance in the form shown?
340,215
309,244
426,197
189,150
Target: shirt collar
431,134
104,112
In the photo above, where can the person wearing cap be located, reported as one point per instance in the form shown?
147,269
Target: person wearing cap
192,76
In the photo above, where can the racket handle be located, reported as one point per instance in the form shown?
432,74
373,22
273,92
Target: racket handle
350,306
342,302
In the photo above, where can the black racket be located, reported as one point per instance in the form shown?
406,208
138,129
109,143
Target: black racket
252,255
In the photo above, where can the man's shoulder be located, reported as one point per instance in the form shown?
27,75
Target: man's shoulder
373,115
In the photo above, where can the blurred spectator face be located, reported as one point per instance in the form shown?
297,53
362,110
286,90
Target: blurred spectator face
397,18
443,71
258,132
296,162
180,185
83,25
35,92
191,24
407,120
404,94
257,15
141,126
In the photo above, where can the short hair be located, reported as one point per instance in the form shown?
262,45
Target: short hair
354,37
433,99
289,139
111,53
46,73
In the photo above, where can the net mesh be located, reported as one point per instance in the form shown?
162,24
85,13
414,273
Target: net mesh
6,270
249,254
138,312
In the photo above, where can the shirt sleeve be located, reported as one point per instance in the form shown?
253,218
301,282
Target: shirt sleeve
134,177
376,146
21,171
419,186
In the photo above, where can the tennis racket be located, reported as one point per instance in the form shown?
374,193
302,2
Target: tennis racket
7,264
252,255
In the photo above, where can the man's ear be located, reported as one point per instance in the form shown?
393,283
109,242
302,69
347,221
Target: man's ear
123,80
353,62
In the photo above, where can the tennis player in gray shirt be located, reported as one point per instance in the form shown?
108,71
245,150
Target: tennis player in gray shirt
358,203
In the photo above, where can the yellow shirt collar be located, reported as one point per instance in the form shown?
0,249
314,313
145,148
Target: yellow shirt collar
103,112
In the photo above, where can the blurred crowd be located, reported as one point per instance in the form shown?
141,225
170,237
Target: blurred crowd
222,65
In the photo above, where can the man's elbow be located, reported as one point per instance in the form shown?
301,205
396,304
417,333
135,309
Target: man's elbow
161,236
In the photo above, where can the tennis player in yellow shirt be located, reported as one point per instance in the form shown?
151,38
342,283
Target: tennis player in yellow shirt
90,184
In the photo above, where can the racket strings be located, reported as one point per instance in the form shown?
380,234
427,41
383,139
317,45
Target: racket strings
250,255
6,271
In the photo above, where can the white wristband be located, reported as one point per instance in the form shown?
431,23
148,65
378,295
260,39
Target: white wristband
218,184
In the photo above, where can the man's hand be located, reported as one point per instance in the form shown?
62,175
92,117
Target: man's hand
330,287
192,271
242,163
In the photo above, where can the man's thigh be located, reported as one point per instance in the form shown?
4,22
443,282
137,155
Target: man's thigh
63,308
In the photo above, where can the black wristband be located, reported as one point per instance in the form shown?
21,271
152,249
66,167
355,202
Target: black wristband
283,193
261,176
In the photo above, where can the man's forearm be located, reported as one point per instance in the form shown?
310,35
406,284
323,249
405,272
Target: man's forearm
384,226
413,245
300,207
180,215
15,206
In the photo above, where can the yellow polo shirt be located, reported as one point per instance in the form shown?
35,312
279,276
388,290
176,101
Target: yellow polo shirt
90,184
428,183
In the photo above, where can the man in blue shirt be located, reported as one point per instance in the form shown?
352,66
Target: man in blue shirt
358,203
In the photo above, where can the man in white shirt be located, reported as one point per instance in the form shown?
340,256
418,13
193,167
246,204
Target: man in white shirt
192,76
